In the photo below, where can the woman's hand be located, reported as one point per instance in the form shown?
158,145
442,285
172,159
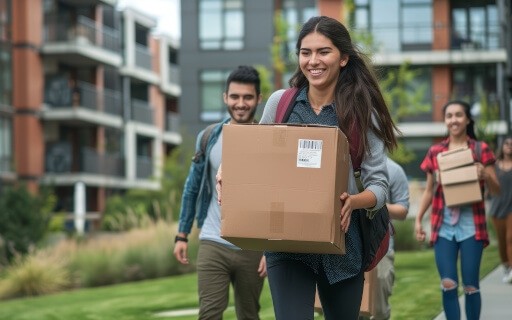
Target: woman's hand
218,186
346,211
420,234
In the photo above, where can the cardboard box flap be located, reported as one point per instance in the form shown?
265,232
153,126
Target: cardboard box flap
459,175
454,158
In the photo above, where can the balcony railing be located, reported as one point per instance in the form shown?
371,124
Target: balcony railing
105,164
144,167
60,159
60,94
142,57
172,123
174,74
420,37
84,31
142,111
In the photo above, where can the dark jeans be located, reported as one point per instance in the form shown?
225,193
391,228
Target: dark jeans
292,285
446,253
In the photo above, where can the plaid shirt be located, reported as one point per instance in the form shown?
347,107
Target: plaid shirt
429,165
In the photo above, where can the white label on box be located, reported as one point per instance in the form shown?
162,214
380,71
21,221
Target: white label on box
309,153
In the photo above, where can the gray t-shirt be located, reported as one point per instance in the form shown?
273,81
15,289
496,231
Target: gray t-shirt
211,227
398,189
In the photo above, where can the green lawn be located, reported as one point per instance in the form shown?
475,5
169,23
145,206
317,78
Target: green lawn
416,296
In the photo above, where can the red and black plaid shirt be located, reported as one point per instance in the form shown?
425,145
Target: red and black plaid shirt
430,165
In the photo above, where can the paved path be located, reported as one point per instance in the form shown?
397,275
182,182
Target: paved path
496,298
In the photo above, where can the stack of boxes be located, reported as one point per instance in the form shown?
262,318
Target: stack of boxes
459,177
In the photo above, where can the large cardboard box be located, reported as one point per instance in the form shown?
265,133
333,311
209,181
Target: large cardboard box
281,186
459,177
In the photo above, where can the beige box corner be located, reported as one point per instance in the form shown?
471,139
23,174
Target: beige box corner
281,186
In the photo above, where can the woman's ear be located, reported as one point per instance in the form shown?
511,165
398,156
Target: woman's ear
343,61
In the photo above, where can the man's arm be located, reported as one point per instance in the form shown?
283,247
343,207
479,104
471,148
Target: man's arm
398,205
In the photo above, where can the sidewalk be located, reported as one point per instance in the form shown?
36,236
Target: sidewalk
496,298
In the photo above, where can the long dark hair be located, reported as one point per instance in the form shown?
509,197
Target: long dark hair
470,129
357,95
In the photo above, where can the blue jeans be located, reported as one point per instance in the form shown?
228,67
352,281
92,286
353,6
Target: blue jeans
292,285
446,254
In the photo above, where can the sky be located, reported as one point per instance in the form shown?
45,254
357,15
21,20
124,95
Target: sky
166,11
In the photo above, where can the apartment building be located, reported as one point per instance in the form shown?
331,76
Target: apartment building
461,48
88,94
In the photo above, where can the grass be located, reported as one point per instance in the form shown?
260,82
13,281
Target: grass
416,296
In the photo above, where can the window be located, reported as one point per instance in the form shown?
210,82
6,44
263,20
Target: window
475,25
5,144
474,83
211,88
5,53
395,25
221,24
296,13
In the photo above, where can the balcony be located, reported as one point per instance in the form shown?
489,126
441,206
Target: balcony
174,74
142,57
83,42
144,167
426,44
142,111
60,159
172,123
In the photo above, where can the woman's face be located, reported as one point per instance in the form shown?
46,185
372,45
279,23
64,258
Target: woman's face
320,60
456,120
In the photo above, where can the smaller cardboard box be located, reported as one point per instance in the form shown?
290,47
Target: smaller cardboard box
281,186
461,186
454,159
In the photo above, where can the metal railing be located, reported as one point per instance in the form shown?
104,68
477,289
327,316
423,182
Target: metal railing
142,56
101,163
144,167
172,123
174,74
58,28
142,111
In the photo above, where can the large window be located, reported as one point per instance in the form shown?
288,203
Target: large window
212,84
475,25
221,24
395,25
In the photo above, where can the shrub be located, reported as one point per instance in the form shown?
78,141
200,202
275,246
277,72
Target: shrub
24,219
35,274
404,238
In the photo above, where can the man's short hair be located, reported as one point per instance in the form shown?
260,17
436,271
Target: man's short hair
244,74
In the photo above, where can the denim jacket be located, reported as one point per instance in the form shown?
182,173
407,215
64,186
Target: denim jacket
197,191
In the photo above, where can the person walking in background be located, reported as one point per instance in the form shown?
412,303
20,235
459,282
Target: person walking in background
501,207
220,263
336,87
398,207
457,229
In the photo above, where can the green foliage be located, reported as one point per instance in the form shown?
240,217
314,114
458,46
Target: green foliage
484,121
24,219
266,81
404,236
137,207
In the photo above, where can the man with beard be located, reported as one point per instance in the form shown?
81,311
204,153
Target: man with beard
219,262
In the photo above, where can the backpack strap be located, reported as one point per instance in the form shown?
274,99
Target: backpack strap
204,142
285,104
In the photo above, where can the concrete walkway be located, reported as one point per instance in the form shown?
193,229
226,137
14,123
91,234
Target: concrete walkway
496,298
